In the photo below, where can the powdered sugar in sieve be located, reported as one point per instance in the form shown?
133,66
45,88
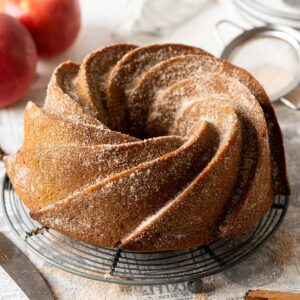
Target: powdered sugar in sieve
271,54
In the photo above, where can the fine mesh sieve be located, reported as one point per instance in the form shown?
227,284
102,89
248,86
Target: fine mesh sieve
270,53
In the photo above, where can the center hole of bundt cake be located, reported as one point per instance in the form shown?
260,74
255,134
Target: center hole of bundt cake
144,127
142,130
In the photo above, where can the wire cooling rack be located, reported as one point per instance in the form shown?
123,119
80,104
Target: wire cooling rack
125,267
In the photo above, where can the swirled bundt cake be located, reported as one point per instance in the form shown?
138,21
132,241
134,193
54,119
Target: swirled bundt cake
151,148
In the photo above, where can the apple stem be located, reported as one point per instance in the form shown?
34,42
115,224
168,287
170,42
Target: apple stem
2,154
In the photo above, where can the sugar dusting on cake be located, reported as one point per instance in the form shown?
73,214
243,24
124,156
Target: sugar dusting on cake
202,125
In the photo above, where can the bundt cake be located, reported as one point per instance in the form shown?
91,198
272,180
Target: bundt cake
161,147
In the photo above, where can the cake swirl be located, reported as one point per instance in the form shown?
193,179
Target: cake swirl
161,147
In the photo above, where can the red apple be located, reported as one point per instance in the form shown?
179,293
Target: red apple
54,24
18,58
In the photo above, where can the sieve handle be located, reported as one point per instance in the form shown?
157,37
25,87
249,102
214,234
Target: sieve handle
218,32
289,104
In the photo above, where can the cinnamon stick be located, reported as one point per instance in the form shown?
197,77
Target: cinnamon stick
274,295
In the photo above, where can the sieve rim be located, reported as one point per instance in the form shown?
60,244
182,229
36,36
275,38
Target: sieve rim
285,33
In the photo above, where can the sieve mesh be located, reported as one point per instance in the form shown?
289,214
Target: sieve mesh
272,61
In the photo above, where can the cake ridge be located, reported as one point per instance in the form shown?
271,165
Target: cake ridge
61,100
92,162
93,72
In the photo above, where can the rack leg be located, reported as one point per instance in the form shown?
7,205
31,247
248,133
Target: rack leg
195,285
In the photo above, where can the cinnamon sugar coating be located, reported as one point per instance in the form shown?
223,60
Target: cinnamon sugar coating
162,147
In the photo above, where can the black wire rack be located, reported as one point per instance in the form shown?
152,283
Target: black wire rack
125,267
